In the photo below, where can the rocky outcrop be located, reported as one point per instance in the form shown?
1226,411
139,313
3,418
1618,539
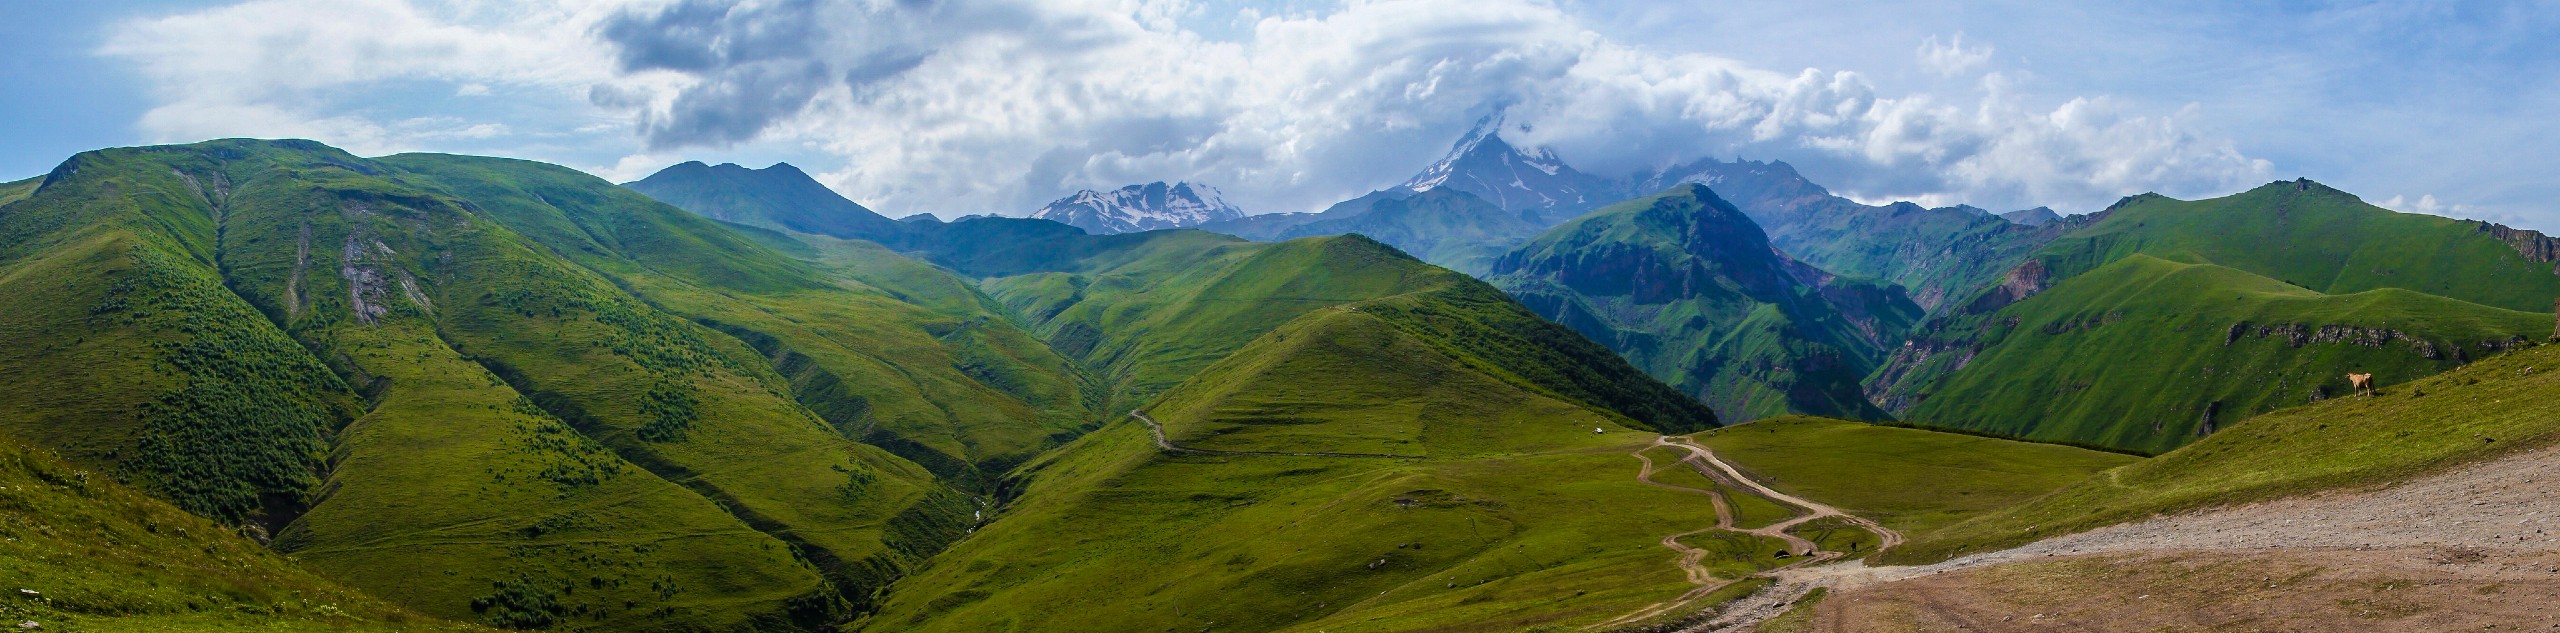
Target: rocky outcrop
2533,245
2298,335
2024,281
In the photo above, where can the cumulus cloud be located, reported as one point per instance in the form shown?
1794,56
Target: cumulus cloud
965,106
2428,204
1953,57
301,67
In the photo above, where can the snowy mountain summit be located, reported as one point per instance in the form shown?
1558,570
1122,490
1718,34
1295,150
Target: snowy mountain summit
1144,207
1533,182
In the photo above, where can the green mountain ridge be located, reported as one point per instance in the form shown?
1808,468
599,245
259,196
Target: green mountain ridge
1941,255
270,385
1263,543
459,340
1688,288
2166,319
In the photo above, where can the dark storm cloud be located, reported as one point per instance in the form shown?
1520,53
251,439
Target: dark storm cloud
757,62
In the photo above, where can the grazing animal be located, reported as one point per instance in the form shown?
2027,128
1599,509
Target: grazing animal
2362,382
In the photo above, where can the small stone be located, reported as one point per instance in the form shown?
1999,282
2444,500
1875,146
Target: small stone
29,625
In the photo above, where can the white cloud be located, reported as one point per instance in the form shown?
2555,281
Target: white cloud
302,67
997,105
1952,57
2427,204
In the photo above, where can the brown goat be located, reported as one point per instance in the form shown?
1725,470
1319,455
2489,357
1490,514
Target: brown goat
2362,382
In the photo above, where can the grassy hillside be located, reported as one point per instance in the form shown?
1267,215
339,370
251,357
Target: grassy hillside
1147,311
907,362
2149,354
2168,319
434,363
83,553
1910,480
15,191
2309,235
1516,515
2479,411
1686,287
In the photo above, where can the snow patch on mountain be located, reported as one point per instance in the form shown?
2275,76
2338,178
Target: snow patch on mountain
1146,207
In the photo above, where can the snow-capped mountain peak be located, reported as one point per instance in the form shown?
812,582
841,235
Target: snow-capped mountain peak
1146,207
1534,182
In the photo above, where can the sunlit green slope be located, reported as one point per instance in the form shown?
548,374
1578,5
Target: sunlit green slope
1510,513
2168,319
210,321
80,552
1910,480
912,360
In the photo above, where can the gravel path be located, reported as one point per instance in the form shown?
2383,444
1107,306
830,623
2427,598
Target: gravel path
2508,504
1706,463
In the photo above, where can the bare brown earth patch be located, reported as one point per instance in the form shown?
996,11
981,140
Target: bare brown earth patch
2411,589
2476,548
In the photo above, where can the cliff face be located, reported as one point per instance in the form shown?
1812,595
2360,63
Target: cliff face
2533,245
1688,288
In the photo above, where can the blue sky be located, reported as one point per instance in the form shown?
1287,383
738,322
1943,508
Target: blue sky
955,107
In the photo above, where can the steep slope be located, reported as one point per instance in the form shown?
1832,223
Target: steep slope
575,456
1146,312
1690,290
1510,505
907,362
779,197
1940,255
2168,319
1535,184
83,553
1134,208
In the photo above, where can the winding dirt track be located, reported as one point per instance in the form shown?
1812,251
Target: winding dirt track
1703,583
1168,446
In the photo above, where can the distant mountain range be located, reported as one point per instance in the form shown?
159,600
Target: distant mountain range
1136,208
776,197
247,384
1685,286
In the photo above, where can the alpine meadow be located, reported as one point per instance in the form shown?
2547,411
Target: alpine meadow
1399,316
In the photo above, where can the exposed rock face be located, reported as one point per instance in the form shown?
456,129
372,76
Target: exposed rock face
1887,388
2533,245
2299,335
2024,281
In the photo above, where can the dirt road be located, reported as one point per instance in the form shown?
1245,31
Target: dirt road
1705,463
2480,542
